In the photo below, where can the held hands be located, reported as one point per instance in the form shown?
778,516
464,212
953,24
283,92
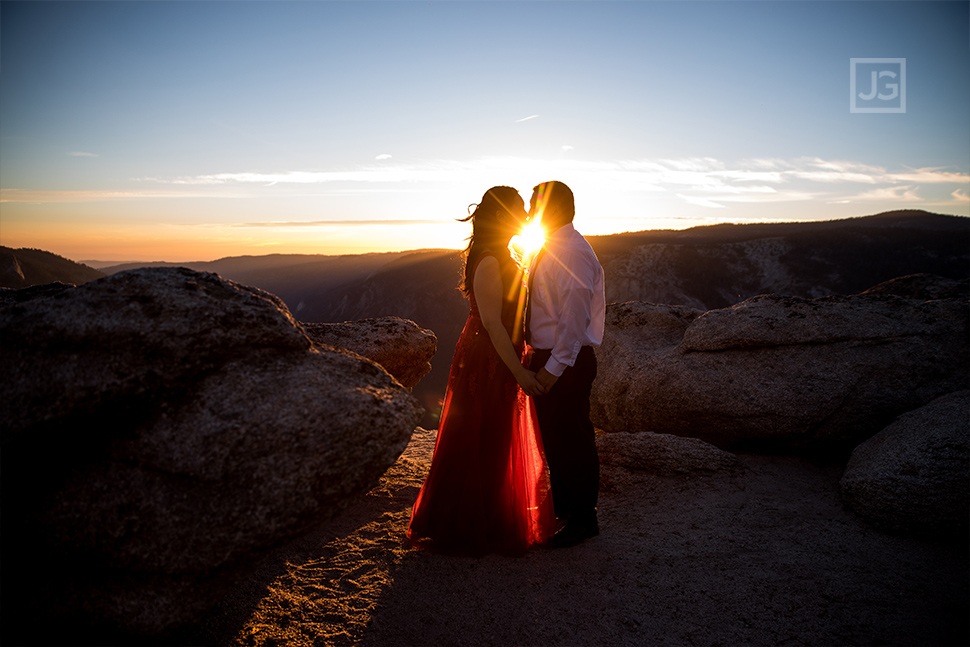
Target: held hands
527,380
546,380
535,383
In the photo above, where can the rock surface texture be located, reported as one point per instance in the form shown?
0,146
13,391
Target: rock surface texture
913,475
760,556
663,454
402,347
776,371
161,427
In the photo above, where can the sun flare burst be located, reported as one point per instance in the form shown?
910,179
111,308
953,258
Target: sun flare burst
525,245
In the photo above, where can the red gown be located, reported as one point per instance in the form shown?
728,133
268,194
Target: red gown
488,489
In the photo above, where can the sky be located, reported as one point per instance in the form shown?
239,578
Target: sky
190,131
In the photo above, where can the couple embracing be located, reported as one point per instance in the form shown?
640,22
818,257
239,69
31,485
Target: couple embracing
518,393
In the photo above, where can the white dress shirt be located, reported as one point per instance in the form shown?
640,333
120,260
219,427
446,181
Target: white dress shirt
568,301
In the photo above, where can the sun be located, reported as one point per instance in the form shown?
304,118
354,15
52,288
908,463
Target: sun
525,245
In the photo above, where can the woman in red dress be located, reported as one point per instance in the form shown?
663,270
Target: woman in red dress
488,489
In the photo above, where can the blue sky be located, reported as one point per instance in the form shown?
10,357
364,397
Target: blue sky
195,130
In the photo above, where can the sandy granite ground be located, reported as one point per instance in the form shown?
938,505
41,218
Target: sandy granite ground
761,556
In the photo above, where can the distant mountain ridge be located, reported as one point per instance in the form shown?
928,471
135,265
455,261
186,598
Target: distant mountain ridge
720,265
303,281
704,267
21,268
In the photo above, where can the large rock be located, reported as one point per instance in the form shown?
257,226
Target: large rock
663,454
163,426
925,287
402,347
129,337
778,371
914,475
10,296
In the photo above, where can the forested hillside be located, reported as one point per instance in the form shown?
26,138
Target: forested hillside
20,268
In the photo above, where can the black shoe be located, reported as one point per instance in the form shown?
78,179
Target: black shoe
574,532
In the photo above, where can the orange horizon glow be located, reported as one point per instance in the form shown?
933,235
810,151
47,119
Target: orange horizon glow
105,235
182,230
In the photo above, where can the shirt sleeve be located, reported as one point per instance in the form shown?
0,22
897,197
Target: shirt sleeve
574,280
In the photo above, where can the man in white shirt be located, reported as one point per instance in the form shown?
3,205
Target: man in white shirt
567,311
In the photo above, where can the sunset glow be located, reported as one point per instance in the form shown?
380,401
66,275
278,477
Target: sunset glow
196,130
525,245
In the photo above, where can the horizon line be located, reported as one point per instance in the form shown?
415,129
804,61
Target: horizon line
110,263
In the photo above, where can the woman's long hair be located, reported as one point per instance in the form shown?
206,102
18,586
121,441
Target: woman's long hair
493,224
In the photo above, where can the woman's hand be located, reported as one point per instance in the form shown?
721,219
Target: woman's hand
527,380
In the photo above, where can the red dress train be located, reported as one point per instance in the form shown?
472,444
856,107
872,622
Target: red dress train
488,489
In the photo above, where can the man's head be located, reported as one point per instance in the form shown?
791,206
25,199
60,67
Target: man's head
553,203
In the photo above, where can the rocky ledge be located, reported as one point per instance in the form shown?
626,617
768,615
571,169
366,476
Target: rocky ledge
163,426
912,475
887,368
400,346
165,430
777,372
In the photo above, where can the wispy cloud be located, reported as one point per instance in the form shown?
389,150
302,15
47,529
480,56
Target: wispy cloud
930,176
702,181
337,223
383,156
775,180
890,193
519,121
376,174
701,202
24,195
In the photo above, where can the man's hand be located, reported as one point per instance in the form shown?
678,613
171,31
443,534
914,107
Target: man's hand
546,380
527,380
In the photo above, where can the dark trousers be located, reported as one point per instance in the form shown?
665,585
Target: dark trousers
568,436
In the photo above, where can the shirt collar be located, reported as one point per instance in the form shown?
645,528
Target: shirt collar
563,232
